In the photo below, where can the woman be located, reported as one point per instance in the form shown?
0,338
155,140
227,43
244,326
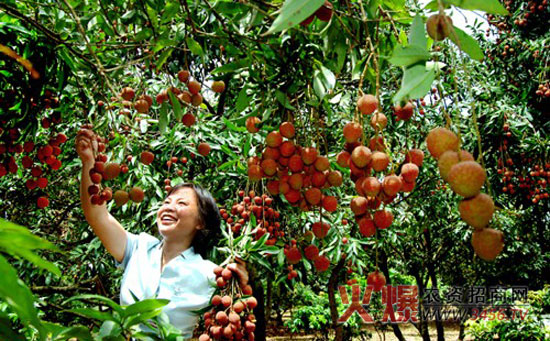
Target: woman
171,268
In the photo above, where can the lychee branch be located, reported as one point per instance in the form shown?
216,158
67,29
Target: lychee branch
90,49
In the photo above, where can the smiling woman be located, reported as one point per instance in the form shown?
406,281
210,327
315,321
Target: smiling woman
172,268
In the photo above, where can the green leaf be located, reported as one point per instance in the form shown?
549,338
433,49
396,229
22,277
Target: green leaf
232,126
417,36
294,12
318,86
62,333
7,330
107,301
283,99
488,6
242,101
163,119
170,10
18,296
405,56
141,317
178,114
194,46
163,57
93,314
153,15
143,126
109,330
18,241
416,83
231,67
145,306
466,43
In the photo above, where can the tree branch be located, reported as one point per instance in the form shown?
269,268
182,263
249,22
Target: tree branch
50,34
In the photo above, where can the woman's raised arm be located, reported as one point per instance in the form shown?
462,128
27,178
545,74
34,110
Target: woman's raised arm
105,226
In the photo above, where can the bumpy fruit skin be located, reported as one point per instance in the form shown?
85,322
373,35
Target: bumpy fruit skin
136,194
477,211
439,26
404,113
194,87
112,170
203,148
287,130
218,86
188,119
377,280
121,197
147,157
415,156
251,124
42,202
352,132
439,140
450,158
322,263
367,104
466,178
488,243
324,13
183,76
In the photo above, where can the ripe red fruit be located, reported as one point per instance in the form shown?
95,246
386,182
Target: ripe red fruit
287,130
251,302
293,255
391,185
255,173
415,156
42,182
367,104
366,227
251,124
147,157
409,172
127,93
188,119
28,146
194,87
361,156
330,203
141,105
358,205
42,202
324,13
404,113
311,252
274,139
226,300
320,230
96,178
322,263
383,219
112,170
183,76
352,132
136,194
203,148
377,280
218,86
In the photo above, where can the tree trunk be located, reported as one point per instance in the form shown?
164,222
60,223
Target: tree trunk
259,311
422,324
269,299
433,277
385,270
332,284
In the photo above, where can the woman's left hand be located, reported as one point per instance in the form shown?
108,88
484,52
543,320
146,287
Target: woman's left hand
239,270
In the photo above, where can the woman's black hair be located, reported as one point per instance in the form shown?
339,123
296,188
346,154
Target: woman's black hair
209,217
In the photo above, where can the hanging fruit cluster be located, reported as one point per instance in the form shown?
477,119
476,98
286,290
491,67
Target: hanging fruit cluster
528,177
376,182
106,171
260,206
37,161
466,177
299,173
231,316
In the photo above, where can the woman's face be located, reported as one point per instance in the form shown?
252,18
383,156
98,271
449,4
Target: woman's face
178,217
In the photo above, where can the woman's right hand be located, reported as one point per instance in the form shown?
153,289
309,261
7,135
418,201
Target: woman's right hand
86,145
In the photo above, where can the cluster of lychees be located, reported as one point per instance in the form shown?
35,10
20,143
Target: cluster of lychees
260,206
364,162
105,171
299,173
231,316
466,177
13,150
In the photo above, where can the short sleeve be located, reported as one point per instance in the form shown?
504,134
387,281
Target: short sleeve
131,246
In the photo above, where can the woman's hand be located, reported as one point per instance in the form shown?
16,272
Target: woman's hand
239,270
86,145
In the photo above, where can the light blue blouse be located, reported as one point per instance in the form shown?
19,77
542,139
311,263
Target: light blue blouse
184,280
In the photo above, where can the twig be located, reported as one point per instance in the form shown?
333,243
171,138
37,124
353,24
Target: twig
89,46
